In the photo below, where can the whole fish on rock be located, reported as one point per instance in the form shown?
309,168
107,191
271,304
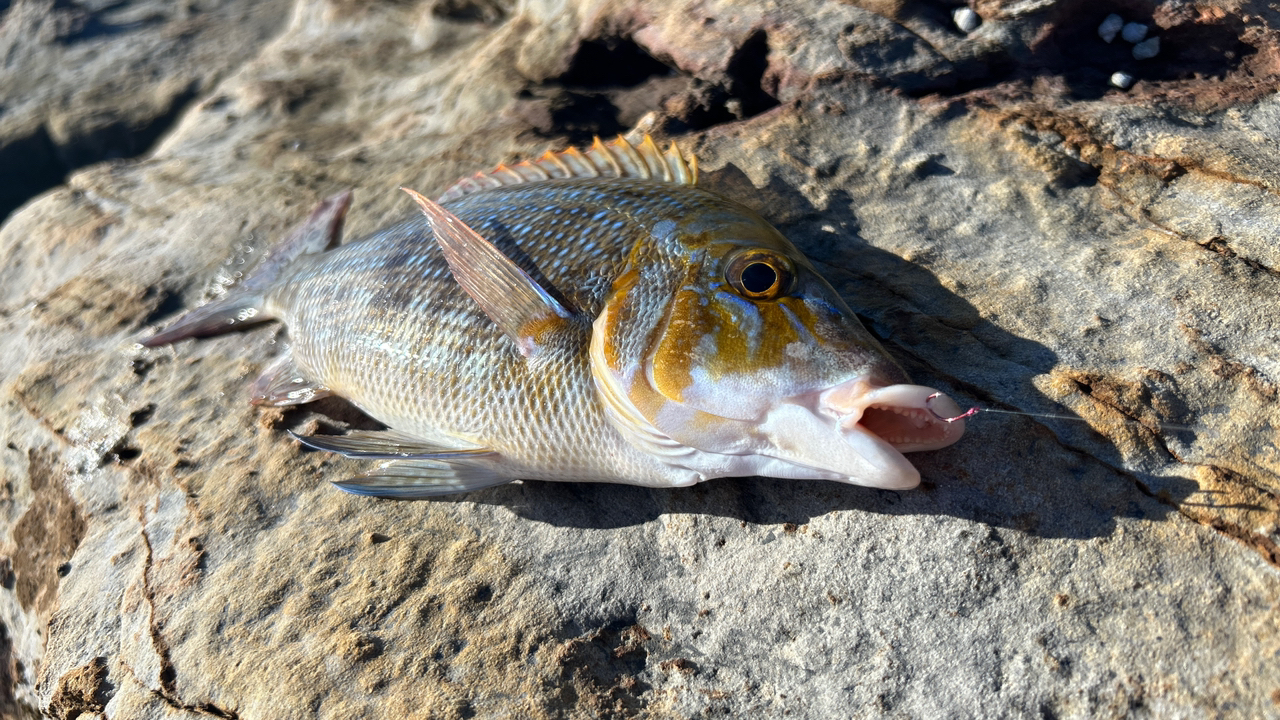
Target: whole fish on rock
588,316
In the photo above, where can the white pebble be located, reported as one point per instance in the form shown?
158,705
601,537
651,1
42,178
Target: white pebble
1146,49
1110,27
1122,80
1133,32
966,19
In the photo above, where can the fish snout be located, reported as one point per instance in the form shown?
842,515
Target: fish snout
910,418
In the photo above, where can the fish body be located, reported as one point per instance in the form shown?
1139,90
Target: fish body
618,329
383,323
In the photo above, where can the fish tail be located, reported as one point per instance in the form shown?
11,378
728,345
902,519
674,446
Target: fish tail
217,317
245,304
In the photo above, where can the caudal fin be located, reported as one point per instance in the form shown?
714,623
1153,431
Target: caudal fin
243,304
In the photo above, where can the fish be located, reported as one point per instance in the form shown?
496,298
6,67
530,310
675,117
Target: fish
589,316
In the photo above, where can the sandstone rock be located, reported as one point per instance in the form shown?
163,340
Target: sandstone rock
1016,233
85,82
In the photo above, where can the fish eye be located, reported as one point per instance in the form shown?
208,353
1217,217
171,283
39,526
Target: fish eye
760,275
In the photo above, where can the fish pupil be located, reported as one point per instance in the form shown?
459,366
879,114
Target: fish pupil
758,278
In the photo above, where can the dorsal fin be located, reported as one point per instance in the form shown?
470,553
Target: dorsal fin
617,159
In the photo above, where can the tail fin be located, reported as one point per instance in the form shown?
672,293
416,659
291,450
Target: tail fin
243,304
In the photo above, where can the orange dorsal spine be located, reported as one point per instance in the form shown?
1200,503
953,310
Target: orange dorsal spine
616,159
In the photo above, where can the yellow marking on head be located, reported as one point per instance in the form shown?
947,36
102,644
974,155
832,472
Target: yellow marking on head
614,312
683,347
673,359
650,404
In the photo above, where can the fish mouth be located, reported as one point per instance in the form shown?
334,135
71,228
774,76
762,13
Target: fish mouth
882,422
908,417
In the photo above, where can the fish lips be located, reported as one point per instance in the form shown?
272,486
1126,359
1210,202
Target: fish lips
878,424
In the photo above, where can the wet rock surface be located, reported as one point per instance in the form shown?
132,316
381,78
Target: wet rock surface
1016,231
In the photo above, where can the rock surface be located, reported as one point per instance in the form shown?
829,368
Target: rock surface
1016,231
90,81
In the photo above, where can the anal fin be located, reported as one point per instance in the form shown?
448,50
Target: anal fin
417,479
282,384
388,445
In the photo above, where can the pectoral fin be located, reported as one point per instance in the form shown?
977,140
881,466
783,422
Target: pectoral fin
526,312
416,479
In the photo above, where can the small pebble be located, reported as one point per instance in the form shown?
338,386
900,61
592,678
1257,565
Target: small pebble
1122,80
1147,49
1133,32
1110,27
966,19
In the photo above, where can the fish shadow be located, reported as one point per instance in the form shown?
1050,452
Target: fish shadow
1047,478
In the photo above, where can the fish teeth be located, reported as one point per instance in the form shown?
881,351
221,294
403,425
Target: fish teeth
917,416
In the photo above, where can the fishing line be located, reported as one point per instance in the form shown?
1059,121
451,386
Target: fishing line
928,405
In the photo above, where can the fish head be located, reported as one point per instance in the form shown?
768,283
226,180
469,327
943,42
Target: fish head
722,350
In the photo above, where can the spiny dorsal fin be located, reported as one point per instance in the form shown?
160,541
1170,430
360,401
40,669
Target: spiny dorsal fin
617,159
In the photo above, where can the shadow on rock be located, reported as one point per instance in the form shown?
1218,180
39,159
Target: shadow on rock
1008,471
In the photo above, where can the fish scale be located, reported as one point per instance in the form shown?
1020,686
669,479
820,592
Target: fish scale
586,316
